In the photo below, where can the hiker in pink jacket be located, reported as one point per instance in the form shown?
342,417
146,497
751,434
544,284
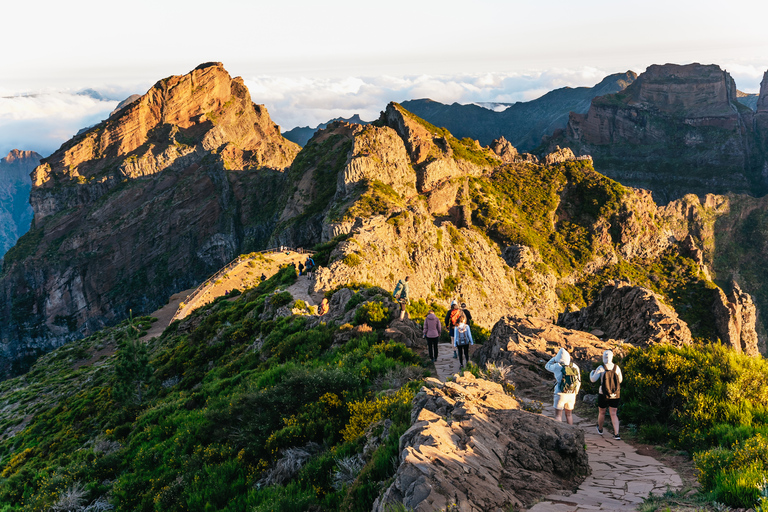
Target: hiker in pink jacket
432,330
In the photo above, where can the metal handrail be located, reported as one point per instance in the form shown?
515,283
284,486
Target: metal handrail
226,268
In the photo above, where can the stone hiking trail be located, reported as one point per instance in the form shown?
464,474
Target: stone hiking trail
620,479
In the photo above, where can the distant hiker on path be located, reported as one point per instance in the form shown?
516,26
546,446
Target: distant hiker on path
567,384
462,339
466,313
263,276
323,309
301,268
609,393
401,294
451,321
432,330
310,265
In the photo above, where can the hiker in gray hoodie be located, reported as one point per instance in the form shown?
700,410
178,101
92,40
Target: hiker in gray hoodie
567,384
432,330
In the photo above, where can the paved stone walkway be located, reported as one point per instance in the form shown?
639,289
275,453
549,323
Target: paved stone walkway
620,477
445,365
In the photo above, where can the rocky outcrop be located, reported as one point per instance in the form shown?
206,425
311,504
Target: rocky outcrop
633,314
141,206
720,232
472,448
442,261
15,211
526,343
504,149
675,130
435,153
735,317
762,98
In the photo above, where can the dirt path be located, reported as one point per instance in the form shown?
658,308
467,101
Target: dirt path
620,477
165,314
245,275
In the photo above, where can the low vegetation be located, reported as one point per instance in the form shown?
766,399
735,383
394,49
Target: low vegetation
225,411
709,401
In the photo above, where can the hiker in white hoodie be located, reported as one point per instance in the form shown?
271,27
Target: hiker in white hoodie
567,384
608,396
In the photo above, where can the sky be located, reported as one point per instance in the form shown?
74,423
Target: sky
311,61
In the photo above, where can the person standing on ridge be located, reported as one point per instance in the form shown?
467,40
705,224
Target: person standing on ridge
567,384
609,393
401,294
451,321
462,339
432,330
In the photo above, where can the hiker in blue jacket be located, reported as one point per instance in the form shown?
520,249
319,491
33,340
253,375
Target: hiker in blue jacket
462,339
567,384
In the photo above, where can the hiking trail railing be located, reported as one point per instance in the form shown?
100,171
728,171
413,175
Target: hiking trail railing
200,290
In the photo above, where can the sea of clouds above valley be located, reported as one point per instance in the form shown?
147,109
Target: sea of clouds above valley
42,121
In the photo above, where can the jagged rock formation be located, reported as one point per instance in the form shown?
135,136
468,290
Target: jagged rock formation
523,123
472,447
302,135
726,231
735,316
630,313
675,130
143,205
525,343
15,211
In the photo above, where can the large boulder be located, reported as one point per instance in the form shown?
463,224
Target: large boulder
630,313
524,344
735,317
471,447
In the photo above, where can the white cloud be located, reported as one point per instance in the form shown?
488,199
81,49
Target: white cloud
308,102
43,121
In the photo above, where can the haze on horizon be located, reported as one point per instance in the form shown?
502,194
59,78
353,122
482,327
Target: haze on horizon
311,61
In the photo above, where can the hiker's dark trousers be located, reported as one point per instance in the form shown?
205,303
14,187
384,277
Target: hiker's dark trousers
432,344
463,353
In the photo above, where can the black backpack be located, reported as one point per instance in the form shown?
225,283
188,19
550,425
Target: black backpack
611,384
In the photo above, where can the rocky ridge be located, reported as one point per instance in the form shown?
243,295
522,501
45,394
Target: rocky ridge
143,205
397,197
471,447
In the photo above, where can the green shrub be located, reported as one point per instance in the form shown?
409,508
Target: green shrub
280,299
352,260
373,313
654,433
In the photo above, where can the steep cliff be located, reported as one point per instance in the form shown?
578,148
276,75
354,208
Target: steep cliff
143,205
15,184
675,130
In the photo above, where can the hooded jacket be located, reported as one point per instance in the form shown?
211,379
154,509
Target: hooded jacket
554,366
432,326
